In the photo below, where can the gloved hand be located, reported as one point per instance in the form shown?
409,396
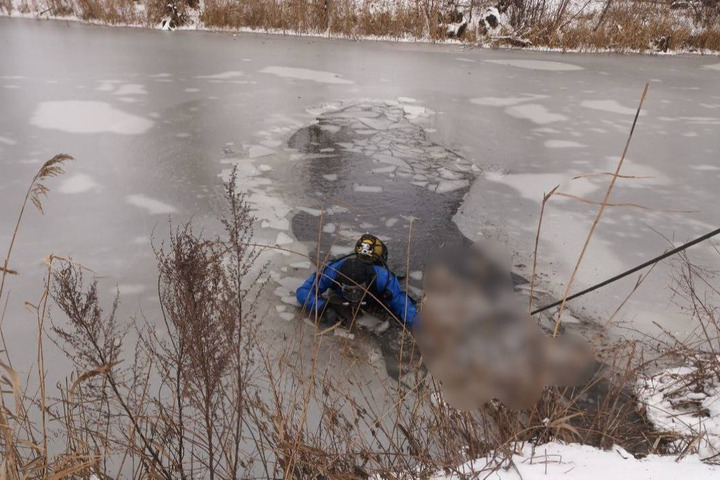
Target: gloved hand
329,317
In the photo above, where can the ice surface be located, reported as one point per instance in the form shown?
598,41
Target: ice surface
77,116
445,186
283,239
222,76
305,74
367,188
714,66
563,144
611,106
78,183
538,65
150,205
7,141
535,113
504,101
129,289
259,151
130,89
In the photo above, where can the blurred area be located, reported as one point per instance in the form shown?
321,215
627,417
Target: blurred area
479,342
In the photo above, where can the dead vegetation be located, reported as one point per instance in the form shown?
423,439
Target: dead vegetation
614,25
198,393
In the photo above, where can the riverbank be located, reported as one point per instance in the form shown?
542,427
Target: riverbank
623,26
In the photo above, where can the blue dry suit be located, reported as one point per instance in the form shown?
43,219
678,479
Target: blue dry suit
385,287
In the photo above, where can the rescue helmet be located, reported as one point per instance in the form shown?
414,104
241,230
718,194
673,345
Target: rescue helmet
371,249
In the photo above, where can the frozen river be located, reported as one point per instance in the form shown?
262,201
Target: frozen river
352,137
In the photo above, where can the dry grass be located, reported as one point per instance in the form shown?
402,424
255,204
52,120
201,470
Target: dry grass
200,393
621,25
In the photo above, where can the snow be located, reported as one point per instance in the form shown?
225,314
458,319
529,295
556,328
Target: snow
611,106
563,144
131,89
535,113
79,183
306,74
554,461
150,205
504,101
678,402
366,188
222,76
715,66
256,151
76,116
7,141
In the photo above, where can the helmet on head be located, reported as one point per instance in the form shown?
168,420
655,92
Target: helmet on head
371,249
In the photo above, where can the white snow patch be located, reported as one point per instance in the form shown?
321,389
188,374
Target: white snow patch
504,101
611,106
77,116
79,183
306,74
563,144
256,151
366,188
131,89
555,461
714,66
538,65
331,177
678,401
222,76
151,205
535,113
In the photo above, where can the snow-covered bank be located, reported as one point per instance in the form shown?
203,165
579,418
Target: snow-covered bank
575,25
553,461
685,403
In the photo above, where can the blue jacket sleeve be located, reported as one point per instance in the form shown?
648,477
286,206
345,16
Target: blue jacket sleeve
309,293
396,298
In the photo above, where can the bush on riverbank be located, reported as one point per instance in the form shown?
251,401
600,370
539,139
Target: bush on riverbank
616,25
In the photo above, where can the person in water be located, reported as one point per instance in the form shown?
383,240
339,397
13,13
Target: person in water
355,281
